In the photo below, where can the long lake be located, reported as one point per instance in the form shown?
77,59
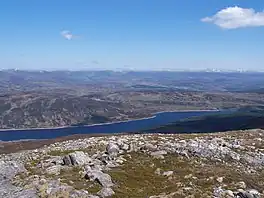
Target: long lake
120,127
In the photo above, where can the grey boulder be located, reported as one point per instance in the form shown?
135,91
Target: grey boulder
106,192
112,149
97,175
80,158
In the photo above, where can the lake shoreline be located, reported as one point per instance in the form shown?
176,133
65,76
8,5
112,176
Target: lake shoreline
107,123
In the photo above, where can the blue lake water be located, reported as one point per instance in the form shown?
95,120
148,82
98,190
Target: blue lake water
121,127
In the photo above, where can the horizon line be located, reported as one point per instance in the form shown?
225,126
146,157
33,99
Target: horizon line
208,70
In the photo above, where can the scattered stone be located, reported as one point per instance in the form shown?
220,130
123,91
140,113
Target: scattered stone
8,169
125,147
229,193
244,195
53,170
158,171
187,189
67,160
102,178
167,173
54,188
220,179
254,192
132,147
159,154
152,165
241,185
80,194
164,195
106,192
79,158
188,176
149,147
112,149
56,160
218,192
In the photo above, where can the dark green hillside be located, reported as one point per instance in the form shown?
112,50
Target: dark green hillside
239,120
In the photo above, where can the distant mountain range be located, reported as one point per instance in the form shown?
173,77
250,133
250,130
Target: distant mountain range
18,80
135,70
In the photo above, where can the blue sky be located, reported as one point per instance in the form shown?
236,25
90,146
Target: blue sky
138,34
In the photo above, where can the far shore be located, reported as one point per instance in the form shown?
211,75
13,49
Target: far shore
108,123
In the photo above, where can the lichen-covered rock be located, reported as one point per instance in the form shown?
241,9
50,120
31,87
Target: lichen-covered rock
246,194
149,147
53,170
220,179
125,147
241,184
106,192
112,149
79,194
159,154
67,160
229,194
97,175
167,173
158,171
56,160
79,158
8,169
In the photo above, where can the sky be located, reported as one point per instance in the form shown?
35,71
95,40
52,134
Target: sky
132,34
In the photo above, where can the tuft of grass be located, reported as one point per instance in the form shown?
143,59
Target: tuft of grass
73,177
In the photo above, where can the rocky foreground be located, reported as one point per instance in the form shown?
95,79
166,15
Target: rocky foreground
154,165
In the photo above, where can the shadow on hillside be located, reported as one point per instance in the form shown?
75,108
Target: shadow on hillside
214,123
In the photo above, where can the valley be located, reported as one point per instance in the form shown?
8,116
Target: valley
56,99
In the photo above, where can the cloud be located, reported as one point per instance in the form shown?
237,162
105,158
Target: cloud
67,35
236,17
